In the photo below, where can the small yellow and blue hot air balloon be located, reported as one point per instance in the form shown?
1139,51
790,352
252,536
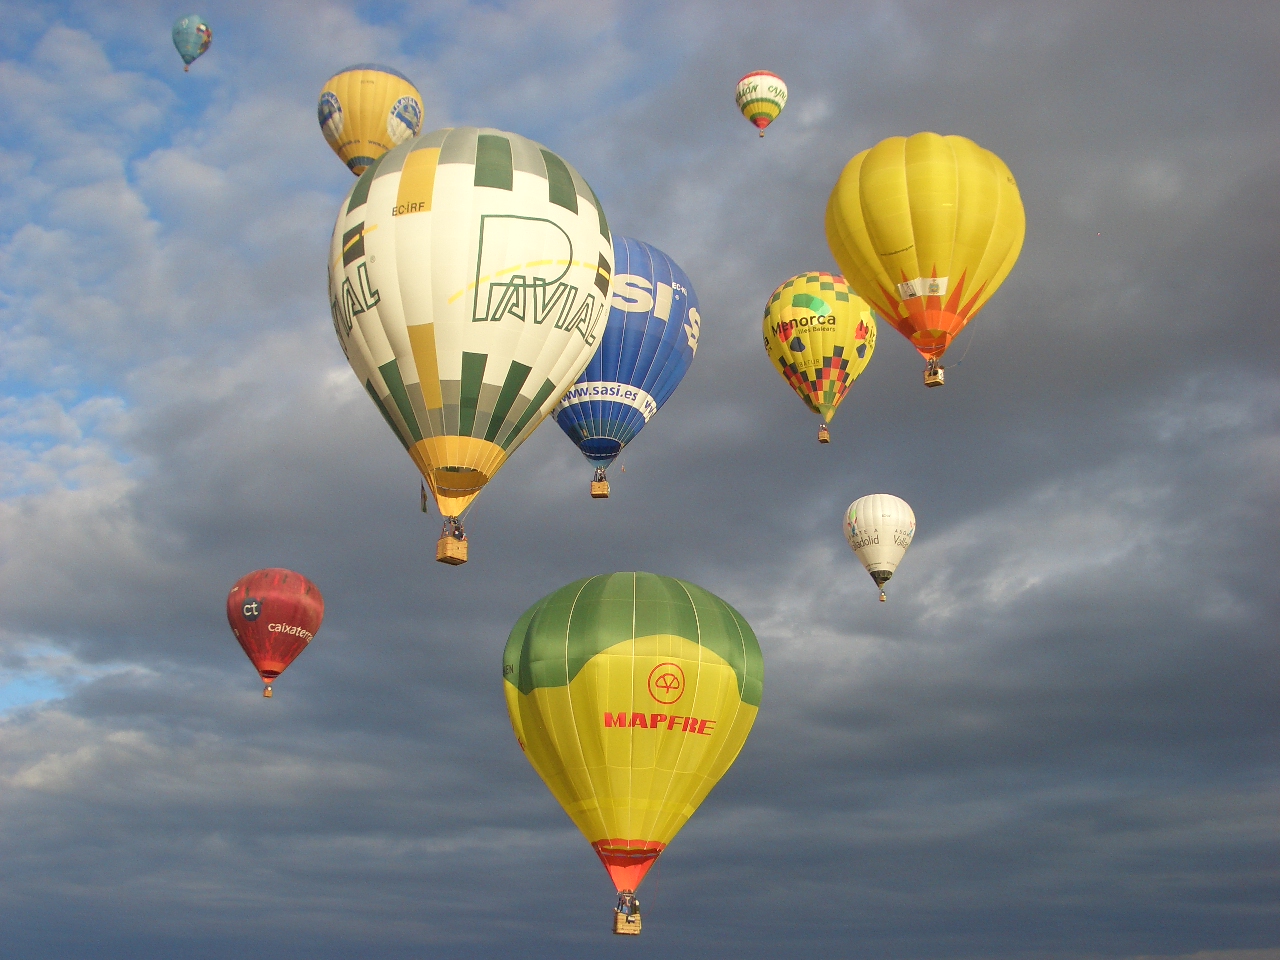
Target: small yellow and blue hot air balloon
761,96
367,109
192,36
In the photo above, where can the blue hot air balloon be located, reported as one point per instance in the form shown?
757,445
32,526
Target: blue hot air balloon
192,36
648,344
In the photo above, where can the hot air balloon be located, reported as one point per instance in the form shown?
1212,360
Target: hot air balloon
648,343
274,613
926,228
761,96
469,281
631,694
879,528
820,336
367,109
192,36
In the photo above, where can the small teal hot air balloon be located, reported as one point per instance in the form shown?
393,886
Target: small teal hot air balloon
648,344
192,36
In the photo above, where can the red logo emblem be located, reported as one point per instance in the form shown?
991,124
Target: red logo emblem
666,682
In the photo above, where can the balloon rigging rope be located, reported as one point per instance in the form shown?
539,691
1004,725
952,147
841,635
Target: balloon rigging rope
968,345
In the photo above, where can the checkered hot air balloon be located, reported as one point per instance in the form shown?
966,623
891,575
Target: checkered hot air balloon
820,336
469,283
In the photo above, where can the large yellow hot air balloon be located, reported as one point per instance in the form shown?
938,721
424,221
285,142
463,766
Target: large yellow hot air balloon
819,335
367,109
469,277
925,228
631,694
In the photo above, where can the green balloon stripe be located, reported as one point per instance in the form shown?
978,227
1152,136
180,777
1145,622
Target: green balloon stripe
560,634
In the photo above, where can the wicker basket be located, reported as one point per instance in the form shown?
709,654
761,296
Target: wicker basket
622,923
451,550
600,489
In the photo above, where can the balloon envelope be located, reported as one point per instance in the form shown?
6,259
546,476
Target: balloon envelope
648,344
274,613
879,528
192,36
926,228
367,109
820,336
631,694
761,95
468,280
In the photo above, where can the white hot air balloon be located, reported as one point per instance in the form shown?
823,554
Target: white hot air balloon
880,528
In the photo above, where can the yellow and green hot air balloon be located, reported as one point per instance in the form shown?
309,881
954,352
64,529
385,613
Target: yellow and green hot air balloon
926,228
367,109
760,96
820,336
631,694
469,276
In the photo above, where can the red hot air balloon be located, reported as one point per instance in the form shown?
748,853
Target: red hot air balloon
274,613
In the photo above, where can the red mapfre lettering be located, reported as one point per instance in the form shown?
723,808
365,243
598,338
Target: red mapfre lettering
653,721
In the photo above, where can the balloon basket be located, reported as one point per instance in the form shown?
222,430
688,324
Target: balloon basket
824,435
600,489
626,924
933,374
267,692
451,550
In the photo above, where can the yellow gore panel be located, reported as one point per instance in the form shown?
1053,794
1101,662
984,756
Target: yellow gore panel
456,468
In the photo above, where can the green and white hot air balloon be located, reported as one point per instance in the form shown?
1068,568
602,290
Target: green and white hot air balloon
469,278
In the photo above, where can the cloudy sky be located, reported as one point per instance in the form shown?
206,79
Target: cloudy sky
1057,740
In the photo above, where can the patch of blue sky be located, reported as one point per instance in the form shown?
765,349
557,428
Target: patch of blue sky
36,671
425,29
60,440
20,690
